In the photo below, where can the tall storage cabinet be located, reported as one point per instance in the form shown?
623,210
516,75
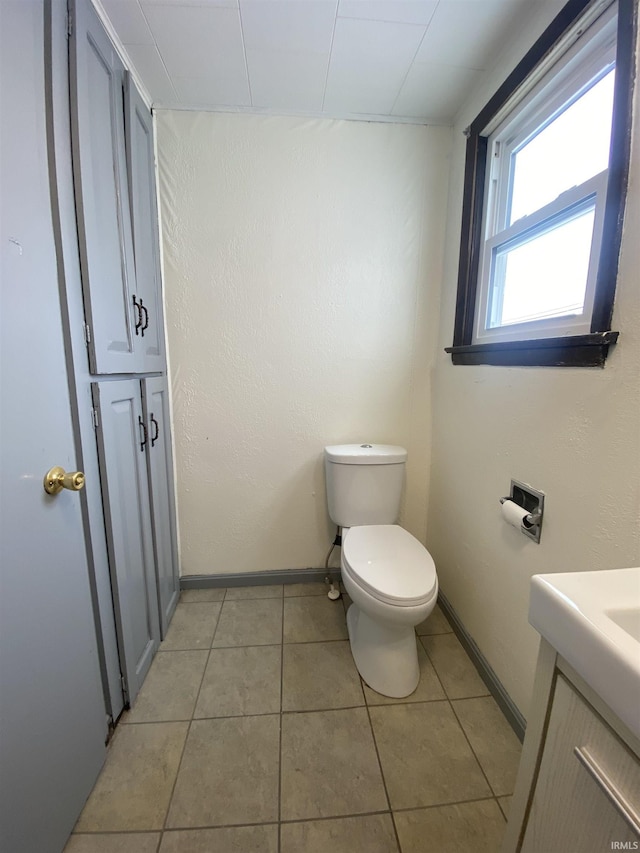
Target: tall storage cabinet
155,405
114,180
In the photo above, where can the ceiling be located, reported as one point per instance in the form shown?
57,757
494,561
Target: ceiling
385,59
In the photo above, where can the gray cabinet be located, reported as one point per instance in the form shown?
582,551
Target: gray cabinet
144,217
578,785
122,440
114,183
116,208
155,405
136,474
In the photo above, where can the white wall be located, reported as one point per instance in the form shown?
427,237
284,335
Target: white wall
573,433
302,273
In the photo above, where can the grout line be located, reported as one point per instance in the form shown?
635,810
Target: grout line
384,781
443,805
184,746
293,821
280,731
456,716
493,793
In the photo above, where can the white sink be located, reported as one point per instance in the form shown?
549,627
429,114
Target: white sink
593,620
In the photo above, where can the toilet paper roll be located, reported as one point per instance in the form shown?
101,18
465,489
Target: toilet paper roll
514,514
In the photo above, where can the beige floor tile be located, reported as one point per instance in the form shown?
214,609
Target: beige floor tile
319,676
425,757
458,675
241,680
428,689
256,622
236,593
191,596
346,601
464,828
130,842
492,739
313,619
329,765
170,689
435,623
134,788
293,590
369,834
505,805
192,626
228,774
237,839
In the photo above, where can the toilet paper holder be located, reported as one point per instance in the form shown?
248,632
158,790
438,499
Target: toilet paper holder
532,500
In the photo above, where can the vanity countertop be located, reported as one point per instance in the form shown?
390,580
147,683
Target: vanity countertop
593,620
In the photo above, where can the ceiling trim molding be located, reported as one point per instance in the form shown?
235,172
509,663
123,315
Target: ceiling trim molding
263,111
122,52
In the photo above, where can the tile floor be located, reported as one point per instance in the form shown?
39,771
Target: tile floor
253,733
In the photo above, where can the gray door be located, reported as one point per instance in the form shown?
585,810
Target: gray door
122,439
156,413
144,217
104,222
53,721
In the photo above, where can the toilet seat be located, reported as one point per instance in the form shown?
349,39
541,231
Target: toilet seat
390,564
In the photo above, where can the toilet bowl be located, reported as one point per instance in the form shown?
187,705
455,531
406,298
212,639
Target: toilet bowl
389,575
392,582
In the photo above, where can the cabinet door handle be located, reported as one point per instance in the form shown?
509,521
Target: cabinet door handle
608,788
138,306
156,431
144,433
146,317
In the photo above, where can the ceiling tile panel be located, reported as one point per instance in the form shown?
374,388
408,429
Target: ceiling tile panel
148,64
228,4
212,92
434,90
289,25
128,21
467,32
287,81
400,11
198,41
369,62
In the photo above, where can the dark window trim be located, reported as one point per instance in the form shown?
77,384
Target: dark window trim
575,350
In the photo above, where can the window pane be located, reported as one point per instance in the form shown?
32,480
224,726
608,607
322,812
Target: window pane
567,152
544,277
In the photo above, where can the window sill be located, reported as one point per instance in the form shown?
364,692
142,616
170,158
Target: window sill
576,351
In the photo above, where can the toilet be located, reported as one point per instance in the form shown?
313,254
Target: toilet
389,575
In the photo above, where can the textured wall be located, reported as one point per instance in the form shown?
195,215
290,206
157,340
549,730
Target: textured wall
573,433
302,274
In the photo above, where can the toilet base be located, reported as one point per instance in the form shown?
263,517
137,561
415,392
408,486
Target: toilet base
386,656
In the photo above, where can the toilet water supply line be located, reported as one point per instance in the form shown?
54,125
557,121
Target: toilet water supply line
334,591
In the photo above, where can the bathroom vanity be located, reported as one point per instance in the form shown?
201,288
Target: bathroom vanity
578,787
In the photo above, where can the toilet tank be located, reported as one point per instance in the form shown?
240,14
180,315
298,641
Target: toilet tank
364,483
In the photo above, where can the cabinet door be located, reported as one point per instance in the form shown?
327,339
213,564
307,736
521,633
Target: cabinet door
144,217
104,222
122,440
156,410
587,794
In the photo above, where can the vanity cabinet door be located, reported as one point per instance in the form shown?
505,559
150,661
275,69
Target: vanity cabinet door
144,217
587,794
100,182
122,442
156,414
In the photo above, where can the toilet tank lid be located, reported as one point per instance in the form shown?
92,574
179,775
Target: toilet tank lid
366,454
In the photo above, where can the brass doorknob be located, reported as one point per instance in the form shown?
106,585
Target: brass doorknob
57,479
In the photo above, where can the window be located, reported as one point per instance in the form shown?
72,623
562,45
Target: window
545,181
